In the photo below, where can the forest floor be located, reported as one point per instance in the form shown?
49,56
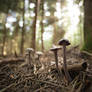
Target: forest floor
17,76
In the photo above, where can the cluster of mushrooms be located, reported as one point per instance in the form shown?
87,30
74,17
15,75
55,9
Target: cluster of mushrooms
31,58
63,43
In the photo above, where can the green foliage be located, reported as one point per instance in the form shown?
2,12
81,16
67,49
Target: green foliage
50,1
6,5
77,1
51,20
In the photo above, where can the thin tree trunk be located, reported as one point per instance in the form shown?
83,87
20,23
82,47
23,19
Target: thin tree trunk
34,26
15,36
4,39
42,26
23,30
4,35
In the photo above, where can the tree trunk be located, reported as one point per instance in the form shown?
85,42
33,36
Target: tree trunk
88,25
16,35
42,26
4,40
23,30
34,26
4,36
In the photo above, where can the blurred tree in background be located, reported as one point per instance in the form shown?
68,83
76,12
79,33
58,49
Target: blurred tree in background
88,25
6,6
39,24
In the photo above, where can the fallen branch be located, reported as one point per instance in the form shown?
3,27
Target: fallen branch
11,60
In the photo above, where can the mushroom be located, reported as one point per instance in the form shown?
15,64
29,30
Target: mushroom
39,54
29,49
55,49
38,63
65,43
28,53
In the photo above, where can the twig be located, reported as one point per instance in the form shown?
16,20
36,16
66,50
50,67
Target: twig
4,89
41,89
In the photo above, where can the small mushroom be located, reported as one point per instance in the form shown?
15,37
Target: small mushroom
29,50
28,53
39,54
55,49
65,43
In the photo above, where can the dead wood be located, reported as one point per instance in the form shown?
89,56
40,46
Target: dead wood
73,70
11,60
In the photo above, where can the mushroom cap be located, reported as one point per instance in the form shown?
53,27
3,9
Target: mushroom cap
64,42
55,48
39,53
29,49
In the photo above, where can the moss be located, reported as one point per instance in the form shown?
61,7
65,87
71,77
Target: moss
88,43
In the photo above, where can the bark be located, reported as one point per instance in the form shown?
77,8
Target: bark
42,27
23,30
15,36
34,26
88,25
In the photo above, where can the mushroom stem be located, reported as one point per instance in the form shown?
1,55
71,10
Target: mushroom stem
56,59
29,58
65,65
55,49
39,58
